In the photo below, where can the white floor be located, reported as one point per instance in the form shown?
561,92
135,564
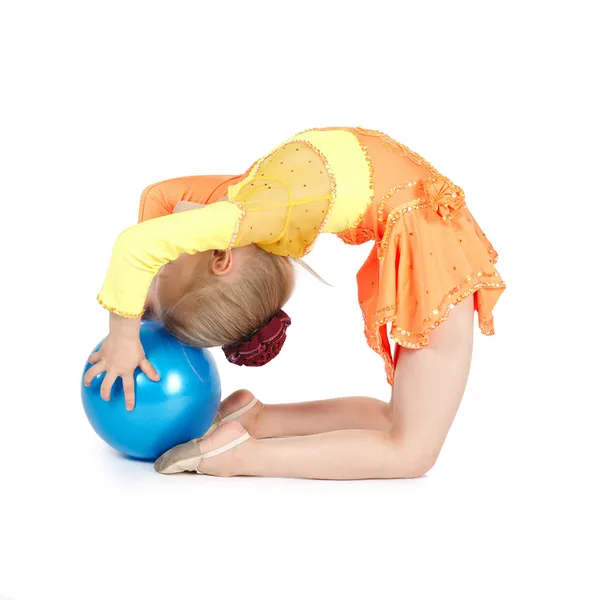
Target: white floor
104,103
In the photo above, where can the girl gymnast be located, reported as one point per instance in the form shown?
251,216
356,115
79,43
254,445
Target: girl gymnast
221,275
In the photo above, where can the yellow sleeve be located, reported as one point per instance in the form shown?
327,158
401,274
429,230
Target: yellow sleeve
317,181
143,249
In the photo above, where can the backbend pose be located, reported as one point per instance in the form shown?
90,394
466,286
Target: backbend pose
221,275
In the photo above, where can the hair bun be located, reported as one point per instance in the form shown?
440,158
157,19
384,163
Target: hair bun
264,345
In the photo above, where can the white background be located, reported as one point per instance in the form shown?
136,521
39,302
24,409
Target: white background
101,99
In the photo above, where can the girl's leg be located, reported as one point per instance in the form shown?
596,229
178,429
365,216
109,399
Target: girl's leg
426,396
305,418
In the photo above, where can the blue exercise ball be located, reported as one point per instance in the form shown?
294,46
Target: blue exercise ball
179,407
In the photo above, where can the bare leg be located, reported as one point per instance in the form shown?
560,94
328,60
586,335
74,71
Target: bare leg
319,416
425,400
305,418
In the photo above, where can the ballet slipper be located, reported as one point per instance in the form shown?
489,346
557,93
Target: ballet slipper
187,457
220,419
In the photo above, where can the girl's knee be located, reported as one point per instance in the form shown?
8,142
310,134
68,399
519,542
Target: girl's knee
420,465
413,459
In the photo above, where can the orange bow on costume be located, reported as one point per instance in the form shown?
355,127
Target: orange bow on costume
445,197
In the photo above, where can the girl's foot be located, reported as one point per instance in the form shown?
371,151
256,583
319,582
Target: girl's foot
214,455
242,407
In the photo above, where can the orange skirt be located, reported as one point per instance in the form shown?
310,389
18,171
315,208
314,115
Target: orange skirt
429,252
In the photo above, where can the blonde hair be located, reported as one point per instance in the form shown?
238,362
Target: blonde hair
219,311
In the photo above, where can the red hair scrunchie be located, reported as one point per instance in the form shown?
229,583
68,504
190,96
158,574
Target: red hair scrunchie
263,346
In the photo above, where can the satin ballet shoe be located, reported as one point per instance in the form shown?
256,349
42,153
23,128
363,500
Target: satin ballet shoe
187,457
221,420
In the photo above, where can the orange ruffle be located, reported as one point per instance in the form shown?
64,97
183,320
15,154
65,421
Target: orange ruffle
429,253
118,312
424,269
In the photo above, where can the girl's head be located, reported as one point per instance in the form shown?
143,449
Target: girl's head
220,298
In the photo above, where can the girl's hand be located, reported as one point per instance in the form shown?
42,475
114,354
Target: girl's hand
183,205
120,354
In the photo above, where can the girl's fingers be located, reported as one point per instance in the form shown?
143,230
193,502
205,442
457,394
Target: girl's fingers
149,370
129,391
106,386
94,358
98,368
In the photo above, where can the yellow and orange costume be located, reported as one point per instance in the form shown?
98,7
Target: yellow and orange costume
428,254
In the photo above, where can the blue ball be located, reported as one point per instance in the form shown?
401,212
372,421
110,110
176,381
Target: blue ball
181,406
